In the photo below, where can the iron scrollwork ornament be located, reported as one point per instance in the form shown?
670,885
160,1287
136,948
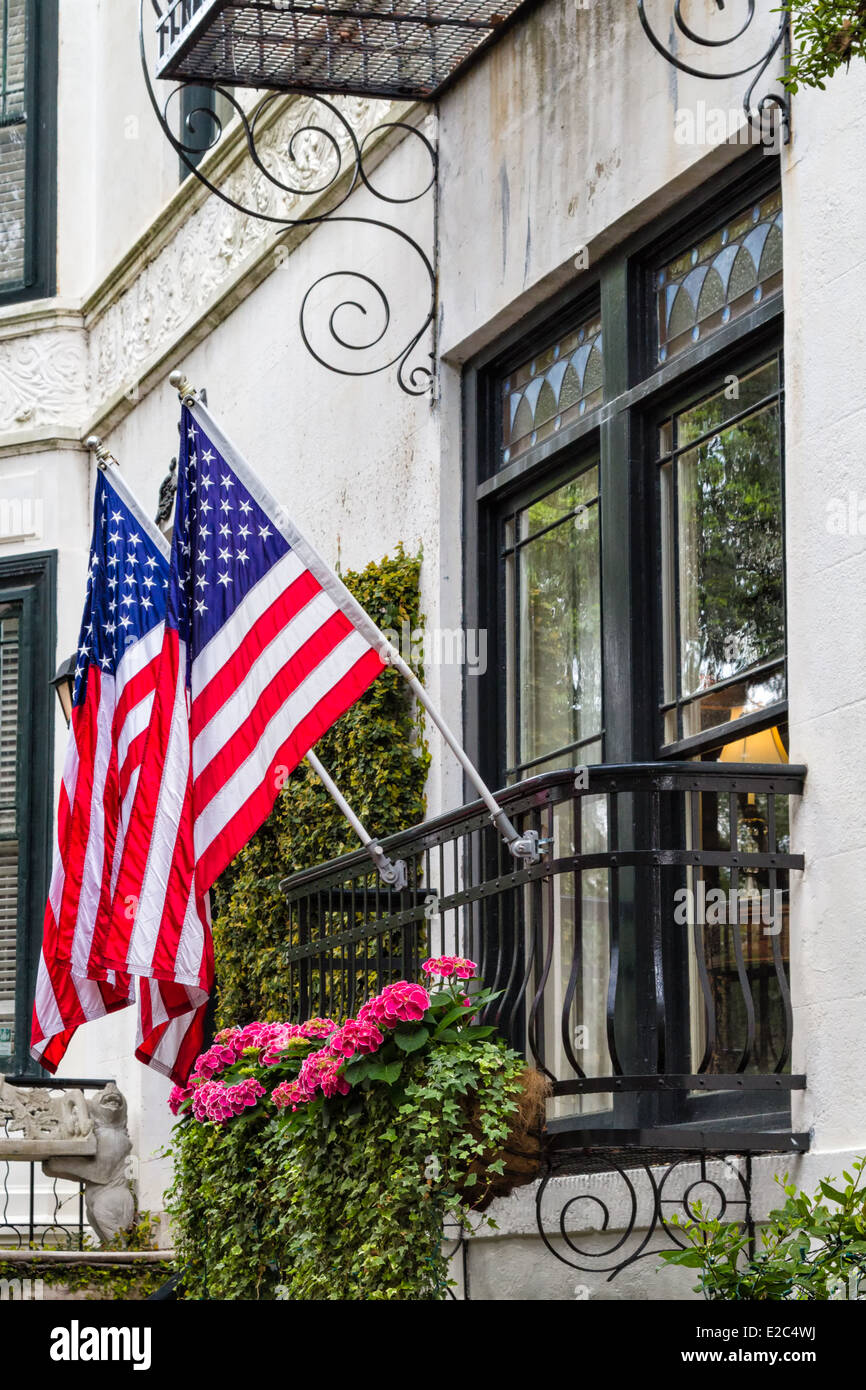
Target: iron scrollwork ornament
645,1195
342,160
763,115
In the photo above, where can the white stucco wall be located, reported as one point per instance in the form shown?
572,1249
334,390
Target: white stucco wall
825,305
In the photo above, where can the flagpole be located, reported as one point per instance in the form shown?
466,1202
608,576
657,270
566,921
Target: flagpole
521,846
524,847
392,872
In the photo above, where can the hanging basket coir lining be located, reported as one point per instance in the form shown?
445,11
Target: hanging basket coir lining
521,1150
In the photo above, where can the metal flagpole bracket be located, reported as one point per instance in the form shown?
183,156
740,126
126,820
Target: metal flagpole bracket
392,872
526,846
104,457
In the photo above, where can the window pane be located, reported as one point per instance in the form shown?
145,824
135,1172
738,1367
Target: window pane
568,501
554,388
580,962
732,702
730,552
741,924
740,394
558,638
719,278
9,652
722,565
13,140
8,943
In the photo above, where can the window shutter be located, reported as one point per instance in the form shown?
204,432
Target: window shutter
8,924
13,139
9,673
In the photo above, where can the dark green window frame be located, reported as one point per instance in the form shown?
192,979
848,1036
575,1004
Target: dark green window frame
31,581
621,431
40,207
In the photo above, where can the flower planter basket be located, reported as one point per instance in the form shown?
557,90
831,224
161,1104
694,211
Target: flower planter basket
521,1151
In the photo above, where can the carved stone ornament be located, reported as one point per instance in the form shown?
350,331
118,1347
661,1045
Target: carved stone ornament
44,379
29,1116
81,1140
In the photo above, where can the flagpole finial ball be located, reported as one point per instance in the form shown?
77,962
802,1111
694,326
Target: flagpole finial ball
182,385
103,457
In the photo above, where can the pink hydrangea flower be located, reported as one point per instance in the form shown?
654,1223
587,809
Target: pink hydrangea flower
257,1036
273,1051
269,1040
445,966
321,1072
317,1028
355,1036
214,1101
210,1063
398,1003
179,1096
440,965
289,1093
465,968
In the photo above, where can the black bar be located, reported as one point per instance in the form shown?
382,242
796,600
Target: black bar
682,1081
59,1083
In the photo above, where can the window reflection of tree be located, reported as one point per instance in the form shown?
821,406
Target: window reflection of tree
559,621
731,551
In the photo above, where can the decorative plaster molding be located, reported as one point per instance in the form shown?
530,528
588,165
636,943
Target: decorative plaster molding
28,1116
39,314
44,379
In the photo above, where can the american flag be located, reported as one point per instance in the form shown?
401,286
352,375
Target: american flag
115,679
264,649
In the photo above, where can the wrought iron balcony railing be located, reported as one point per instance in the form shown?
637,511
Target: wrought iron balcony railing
642,964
